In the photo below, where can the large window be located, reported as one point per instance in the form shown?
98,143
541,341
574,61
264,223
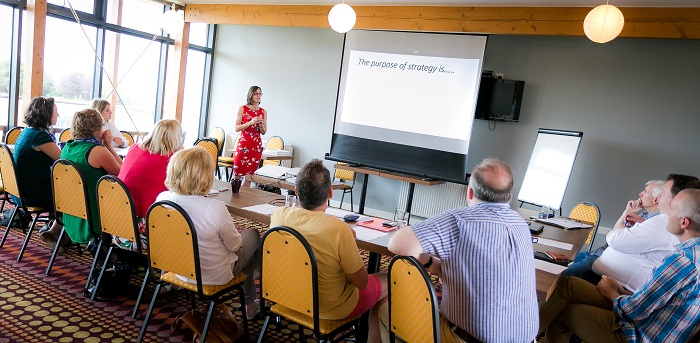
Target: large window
192,102
79,5
137,82
140,15
69,62
5,55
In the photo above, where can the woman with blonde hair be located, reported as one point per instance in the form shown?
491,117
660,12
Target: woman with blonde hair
105,110
223,251
91,151
144,170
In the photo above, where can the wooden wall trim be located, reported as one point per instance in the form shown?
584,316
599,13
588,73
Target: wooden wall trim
33,33
175,78
640,22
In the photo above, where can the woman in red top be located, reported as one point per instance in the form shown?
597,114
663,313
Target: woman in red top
144,169
251,122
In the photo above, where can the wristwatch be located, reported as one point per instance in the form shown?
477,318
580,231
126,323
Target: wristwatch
429,263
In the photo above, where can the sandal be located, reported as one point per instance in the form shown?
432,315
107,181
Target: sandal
250,315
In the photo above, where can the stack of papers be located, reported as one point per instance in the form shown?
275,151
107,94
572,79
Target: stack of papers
271,152
273,171
266,209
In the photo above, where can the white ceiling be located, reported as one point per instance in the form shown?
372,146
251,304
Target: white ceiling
465,3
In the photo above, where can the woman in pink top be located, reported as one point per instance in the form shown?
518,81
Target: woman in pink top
144,168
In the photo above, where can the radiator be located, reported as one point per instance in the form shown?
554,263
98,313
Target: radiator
429,201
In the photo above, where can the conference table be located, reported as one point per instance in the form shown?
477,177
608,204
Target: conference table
283,183
568,242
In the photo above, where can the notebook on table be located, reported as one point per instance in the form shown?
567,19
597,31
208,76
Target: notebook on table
376,224
565,223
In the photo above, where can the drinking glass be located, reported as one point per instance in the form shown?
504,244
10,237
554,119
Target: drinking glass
544,213
290,200
401,218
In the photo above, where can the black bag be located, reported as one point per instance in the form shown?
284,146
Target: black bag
20,217
115,281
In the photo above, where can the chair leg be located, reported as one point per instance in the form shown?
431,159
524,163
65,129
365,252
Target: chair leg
342,197
144,327
244,313
262,332
102,271
210,313
143,289
351,202
55,251
9,224
92,266
26,240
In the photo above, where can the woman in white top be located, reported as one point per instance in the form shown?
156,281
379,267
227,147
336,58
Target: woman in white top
223,251
105,110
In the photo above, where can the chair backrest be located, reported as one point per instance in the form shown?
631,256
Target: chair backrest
128,136
69,191
343,174
587,212
219,135
172,241
287,259
274,143
413,305
116,209
11,136
65,136
209,144
8,173
235,145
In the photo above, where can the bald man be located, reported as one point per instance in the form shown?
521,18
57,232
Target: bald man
483,256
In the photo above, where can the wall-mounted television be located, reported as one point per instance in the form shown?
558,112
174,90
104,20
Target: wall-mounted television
499,99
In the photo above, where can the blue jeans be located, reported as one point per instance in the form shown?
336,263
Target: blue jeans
583,263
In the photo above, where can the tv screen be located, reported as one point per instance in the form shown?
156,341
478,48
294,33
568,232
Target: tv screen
499,99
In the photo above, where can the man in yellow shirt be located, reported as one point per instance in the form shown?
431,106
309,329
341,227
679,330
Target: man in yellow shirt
345,289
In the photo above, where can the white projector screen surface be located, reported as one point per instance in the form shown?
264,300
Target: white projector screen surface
549,168
406,101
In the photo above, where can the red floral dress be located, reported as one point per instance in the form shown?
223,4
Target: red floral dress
249,150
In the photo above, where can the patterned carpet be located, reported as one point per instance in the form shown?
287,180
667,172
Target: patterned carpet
51,308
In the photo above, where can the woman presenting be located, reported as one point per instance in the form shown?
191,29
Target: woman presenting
251,121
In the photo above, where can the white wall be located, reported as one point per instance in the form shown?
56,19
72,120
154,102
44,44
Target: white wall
636,100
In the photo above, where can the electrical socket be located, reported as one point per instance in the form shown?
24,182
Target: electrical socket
499,75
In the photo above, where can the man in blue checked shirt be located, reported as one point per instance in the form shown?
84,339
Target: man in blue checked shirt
483,256
665,309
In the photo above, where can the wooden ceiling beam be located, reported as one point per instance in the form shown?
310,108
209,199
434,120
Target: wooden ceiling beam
640,22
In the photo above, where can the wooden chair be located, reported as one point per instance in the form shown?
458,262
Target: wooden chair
274,143
219,135
65,136
289,278
117,217
69,197
209,144
11,136
172,247
587,212
129,138
8,173
413,304
349,176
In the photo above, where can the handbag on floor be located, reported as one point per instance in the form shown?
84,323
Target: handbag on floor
224,327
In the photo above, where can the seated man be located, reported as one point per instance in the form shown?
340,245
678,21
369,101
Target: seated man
483,255
634,252
665,309
647,203
345,289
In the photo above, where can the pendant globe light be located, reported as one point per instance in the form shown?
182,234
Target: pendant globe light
173,21
342,18
603,23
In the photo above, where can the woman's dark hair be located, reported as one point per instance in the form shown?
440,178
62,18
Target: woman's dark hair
39,112
251,91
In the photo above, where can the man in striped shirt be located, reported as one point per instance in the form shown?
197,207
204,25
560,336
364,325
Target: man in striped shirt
665,309
484,258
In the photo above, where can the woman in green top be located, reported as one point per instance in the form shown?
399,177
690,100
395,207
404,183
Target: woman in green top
92,152
35,152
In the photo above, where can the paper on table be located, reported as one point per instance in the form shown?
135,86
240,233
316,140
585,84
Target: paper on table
336,212
262,208
213,192
549,267
556,244
366,234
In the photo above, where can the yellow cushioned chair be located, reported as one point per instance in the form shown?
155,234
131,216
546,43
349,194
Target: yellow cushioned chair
413,304
173,248
289,278
274,143
8,173
349,176
209,144
117,217
69,197
587,212
227,162
129,138
11,136
65,136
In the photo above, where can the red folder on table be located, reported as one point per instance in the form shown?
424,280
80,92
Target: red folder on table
376,224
